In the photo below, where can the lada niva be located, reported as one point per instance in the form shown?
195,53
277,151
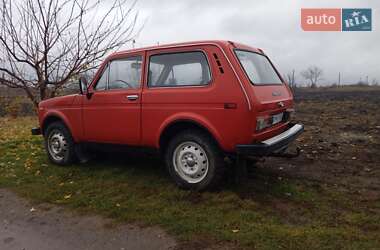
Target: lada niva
196,102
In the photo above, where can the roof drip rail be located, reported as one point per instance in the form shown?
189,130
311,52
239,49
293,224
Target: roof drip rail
232,43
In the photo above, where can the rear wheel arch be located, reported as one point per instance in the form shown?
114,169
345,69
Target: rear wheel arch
178,126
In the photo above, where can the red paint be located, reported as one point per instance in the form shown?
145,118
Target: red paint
108,116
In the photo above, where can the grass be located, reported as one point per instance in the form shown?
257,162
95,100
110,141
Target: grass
266,213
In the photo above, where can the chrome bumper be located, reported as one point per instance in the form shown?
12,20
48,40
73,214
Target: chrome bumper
271,145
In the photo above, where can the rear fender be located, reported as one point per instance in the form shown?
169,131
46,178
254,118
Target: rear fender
194,118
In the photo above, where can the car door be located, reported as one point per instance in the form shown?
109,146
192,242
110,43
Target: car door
112,113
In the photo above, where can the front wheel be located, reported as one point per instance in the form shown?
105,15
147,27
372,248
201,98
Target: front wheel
194,160
59,144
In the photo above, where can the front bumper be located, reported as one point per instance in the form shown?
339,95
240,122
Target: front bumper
36,131
272,145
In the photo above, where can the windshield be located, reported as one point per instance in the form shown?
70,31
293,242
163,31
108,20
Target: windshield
258,68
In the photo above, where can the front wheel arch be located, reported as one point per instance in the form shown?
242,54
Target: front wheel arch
49,119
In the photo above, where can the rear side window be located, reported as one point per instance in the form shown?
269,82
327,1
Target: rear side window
179,69
258,68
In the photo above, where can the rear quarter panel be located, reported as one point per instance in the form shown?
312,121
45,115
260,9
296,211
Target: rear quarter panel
203,104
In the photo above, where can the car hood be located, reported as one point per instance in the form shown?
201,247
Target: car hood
60,101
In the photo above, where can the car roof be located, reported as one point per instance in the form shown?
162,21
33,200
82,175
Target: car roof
220,43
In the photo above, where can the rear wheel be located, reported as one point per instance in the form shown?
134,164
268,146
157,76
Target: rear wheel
194,160
59,144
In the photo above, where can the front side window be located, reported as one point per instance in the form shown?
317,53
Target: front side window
258,68
125,73
179,69
103,80
121,74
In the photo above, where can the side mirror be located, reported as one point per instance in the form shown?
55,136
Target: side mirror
83,85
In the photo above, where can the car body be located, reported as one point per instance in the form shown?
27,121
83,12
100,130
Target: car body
226,91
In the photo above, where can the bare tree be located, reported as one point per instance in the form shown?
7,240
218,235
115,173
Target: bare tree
374,82
313,74
45,43
291,79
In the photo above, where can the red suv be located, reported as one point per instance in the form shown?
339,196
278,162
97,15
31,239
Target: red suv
196,102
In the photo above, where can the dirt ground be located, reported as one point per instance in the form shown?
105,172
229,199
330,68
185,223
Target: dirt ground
340,145
24,226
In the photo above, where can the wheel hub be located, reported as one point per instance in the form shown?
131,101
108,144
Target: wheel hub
190,162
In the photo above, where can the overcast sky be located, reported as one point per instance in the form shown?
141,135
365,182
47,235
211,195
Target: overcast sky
272,25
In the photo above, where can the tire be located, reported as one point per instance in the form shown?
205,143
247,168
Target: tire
194,161
59,144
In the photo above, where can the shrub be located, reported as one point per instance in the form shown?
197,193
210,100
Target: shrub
13,107
3,104
16,106
27,108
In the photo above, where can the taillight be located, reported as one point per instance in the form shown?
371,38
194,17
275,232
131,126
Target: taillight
263,122
289,114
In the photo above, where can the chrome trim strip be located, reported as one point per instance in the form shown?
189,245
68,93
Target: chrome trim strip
293,130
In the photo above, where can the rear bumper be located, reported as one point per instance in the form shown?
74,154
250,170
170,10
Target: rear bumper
271,145
36,131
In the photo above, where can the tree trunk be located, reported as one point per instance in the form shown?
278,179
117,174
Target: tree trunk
42,91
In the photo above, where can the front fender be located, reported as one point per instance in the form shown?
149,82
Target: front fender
56,114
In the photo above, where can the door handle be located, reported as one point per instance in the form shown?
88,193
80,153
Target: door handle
132,97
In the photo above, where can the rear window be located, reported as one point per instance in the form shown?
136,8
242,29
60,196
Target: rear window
258,68
179,69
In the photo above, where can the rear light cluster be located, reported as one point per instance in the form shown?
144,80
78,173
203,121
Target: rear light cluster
289,114
264,122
